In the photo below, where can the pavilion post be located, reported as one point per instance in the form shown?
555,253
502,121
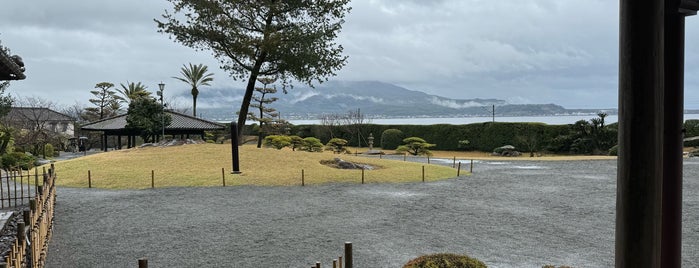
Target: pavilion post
640,161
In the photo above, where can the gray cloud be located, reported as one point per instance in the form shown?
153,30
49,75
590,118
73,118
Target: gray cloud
531,51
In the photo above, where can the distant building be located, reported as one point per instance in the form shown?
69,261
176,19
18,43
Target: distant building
33,119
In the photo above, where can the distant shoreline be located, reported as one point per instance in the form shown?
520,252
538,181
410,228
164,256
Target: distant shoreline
549,119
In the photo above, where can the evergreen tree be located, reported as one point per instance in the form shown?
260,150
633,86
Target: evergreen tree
293,40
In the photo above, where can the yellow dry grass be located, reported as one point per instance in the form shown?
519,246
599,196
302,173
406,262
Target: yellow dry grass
201,165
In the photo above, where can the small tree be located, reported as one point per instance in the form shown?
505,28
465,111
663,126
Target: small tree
5,105
277,141
106,100
391,138
415,146
294,40
296,142
337,145
312,144
147,117
266,114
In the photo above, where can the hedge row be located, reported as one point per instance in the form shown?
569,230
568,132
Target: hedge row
482,136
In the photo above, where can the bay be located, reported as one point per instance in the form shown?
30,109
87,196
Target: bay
551,120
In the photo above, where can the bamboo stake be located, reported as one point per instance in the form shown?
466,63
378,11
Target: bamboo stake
223,175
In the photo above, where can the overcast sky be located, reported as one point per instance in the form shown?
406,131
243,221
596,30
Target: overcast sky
525,51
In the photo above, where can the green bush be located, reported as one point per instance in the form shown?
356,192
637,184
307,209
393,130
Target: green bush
296,142
337,145
444,260
17,160
277,141
311,144
48,150
614,151
415,146
391,139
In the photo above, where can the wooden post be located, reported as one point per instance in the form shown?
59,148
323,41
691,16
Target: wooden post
21,189
223,176
20,233
152,179
89,179
458,170
453,163
36,178
335,263
674,34
14,176
142,263
348,254
362,176
641,108
2,201
26,216
302,178
317,264
471,169
423,173
339,261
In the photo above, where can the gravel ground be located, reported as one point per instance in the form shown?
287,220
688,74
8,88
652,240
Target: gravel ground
507,214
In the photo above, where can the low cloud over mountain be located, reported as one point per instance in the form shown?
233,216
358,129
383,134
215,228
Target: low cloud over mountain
374,99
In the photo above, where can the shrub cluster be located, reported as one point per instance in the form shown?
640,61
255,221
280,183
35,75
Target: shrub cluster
444,260
17,160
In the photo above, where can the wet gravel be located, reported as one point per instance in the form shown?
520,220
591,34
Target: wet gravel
507,214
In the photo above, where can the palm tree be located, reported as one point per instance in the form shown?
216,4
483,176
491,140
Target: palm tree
195,75
132,91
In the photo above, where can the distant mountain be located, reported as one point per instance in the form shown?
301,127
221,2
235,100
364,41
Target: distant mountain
374,99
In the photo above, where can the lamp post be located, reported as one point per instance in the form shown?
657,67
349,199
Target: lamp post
162,116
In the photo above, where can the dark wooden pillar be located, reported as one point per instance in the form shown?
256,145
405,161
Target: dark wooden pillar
119,142
103,143
640,162
675,12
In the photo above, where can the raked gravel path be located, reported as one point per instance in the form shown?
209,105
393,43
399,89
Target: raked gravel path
507,214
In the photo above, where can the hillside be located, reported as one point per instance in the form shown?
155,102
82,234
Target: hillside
374,99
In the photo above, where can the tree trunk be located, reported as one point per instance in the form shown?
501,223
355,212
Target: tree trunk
195,93
259,140
243,114
194,106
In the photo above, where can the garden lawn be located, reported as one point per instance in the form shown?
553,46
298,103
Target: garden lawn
202,164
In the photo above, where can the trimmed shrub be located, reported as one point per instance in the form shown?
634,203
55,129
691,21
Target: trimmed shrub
337,145
415,146
391,139
277,141
16,160
48,150
444,260
311,144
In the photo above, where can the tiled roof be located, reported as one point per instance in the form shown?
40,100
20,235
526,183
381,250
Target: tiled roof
9,69
179,122
36,114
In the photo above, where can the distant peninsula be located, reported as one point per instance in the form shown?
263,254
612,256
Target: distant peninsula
375,100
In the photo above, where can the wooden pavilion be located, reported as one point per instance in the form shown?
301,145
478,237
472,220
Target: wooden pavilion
181,124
